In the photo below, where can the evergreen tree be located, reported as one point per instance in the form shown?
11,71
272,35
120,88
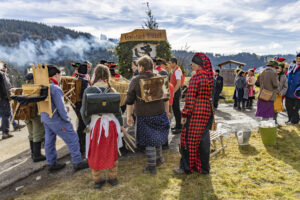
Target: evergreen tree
151,22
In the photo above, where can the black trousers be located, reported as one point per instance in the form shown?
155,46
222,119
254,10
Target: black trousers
204,149
292,107
80,128
216,99
176,108
5,113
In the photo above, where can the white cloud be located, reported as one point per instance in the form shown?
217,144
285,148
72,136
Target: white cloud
221,26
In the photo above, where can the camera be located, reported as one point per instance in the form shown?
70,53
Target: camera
82,68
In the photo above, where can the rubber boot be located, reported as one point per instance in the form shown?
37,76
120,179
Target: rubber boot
31,148
37,156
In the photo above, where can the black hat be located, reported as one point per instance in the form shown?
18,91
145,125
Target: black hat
162,61
87,62
241,72
52,70
103,62
197,60
82,69
163,73
29,77
174,60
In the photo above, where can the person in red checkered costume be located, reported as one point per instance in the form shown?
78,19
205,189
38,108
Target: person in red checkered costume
197,118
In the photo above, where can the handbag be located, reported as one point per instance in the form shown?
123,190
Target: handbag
265,95
102,102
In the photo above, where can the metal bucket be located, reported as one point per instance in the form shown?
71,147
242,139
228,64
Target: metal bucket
243,137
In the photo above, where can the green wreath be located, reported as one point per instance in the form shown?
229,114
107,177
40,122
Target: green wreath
124,53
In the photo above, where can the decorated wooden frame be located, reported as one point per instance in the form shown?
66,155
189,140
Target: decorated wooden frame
41,78
156,88
71,88
24,112
121,85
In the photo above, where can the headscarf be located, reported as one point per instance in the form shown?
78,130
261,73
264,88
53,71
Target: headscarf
205,63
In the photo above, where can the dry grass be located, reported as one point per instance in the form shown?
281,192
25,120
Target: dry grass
252,172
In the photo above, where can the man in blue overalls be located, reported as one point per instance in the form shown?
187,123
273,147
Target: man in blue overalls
60,124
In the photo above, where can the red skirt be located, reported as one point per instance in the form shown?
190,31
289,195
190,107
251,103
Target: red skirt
103,155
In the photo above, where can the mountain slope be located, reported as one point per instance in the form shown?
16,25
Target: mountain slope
14,31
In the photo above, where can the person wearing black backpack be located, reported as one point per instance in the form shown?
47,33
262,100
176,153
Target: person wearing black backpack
105,123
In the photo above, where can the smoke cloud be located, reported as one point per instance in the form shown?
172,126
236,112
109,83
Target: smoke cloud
43,51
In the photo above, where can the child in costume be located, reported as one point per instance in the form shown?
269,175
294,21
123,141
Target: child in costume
105,132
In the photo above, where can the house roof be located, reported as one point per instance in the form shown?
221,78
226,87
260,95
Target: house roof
231,62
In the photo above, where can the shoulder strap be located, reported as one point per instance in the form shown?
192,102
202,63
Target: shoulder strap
105,91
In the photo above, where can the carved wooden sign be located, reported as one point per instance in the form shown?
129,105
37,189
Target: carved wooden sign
144,35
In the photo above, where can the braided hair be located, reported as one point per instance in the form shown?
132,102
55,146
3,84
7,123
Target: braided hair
101,72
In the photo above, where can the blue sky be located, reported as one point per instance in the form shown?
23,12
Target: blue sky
218,26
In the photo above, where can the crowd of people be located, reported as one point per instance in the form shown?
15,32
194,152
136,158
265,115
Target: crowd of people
279,82
99,133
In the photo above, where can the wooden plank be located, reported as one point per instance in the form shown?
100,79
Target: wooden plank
40,77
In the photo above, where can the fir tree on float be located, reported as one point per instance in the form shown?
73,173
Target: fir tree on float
158,43
151,22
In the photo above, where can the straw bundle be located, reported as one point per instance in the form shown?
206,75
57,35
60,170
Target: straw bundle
120,85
